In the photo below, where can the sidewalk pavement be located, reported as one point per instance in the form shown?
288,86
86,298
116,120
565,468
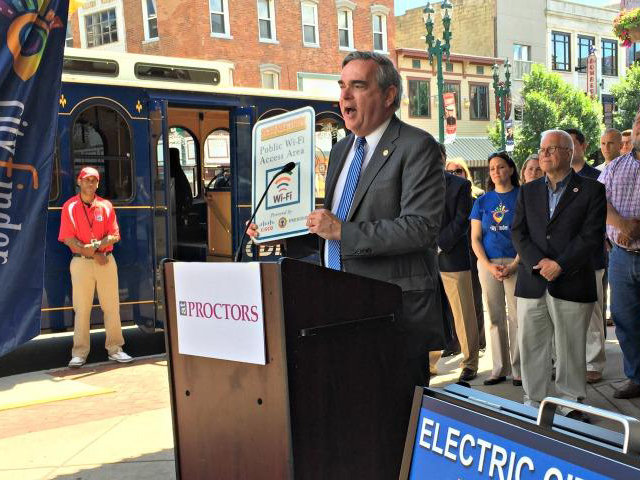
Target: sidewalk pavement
107,421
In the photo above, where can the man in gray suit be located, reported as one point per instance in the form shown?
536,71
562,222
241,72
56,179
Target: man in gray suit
384,198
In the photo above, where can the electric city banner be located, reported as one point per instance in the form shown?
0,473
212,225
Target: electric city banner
278,140
32,37
457,442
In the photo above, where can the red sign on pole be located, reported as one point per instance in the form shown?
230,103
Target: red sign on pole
592,74
507,105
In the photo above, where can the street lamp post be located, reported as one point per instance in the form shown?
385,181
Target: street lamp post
502,91
438,49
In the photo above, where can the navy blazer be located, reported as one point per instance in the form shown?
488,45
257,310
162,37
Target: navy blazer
570,237
453,239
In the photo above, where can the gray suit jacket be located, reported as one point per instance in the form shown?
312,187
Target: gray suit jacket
391,230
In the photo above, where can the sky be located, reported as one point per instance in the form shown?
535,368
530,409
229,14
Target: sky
402,5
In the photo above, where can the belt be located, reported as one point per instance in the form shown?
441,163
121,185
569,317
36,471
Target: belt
90,258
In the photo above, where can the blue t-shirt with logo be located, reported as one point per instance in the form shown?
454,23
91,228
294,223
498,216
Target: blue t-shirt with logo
495,211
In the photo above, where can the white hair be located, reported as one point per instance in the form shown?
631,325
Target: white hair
565,139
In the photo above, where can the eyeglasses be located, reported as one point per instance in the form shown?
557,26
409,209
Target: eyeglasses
457,171
550,150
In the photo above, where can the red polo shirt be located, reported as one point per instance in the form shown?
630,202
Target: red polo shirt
88,223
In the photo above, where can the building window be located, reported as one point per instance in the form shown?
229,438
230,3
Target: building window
479,70
269,80
521,60
419,98
102,139
610,57
150,15
479,95
380,33
585,47
345,29
68,41
415,63
219,11
633,54
522,52
266,20
560,51
270,76
310,24
455,89
448,67
101,28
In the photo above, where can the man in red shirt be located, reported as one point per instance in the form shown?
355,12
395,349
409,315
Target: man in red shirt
89,228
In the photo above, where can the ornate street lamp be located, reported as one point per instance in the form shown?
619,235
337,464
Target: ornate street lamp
502,91
439,49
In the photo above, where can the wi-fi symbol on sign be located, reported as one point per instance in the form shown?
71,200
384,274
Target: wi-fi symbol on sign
282,183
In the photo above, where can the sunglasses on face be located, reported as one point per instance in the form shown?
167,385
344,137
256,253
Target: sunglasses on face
457,171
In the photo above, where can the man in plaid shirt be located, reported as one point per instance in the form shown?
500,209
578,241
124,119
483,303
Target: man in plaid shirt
622,183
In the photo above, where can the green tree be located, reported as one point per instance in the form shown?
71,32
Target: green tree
550,102
627,97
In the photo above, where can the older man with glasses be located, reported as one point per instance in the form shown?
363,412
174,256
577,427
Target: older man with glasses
558,224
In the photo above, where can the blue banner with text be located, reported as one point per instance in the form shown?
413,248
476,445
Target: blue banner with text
32,38
452,442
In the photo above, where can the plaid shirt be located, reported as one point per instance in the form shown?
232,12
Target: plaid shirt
621,179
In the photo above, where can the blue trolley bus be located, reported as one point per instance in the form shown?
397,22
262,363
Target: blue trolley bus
171,139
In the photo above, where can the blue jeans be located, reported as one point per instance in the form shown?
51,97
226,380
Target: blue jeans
624,281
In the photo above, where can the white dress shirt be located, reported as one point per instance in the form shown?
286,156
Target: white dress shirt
372,142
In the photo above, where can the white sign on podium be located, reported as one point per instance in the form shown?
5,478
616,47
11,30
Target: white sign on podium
219,311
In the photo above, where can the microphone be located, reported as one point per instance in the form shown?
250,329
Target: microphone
288,168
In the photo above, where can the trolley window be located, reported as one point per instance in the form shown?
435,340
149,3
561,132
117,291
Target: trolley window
102,139
146,71
329,130
188,147
88,66
217,165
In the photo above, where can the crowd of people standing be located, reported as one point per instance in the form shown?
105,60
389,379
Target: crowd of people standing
534,248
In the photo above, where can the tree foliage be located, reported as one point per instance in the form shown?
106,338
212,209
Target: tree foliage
549,102
627,98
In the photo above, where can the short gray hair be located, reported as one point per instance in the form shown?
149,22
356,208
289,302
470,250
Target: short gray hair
566,139
387,74
614,131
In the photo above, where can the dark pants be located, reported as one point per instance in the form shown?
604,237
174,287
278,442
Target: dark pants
477,301
624,281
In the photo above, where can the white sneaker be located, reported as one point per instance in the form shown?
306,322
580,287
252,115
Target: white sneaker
77,362
121,357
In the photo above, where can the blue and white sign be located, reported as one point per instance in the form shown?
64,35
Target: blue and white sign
278,140
452,442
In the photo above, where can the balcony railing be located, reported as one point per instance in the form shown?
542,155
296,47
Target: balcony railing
520,68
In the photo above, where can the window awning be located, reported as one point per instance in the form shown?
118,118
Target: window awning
474,150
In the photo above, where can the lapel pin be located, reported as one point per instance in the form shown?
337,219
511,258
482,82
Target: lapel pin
575,190
385,152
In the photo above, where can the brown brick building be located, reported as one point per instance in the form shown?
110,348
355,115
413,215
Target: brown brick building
289,44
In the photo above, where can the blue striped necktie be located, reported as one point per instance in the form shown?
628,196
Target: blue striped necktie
334,260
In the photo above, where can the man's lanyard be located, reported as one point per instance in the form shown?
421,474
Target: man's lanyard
84,209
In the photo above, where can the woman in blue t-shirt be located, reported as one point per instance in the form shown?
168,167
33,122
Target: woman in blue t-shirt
491,220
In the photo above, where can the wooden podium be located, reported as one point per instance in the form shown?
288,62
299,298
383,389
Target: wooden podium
326,404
